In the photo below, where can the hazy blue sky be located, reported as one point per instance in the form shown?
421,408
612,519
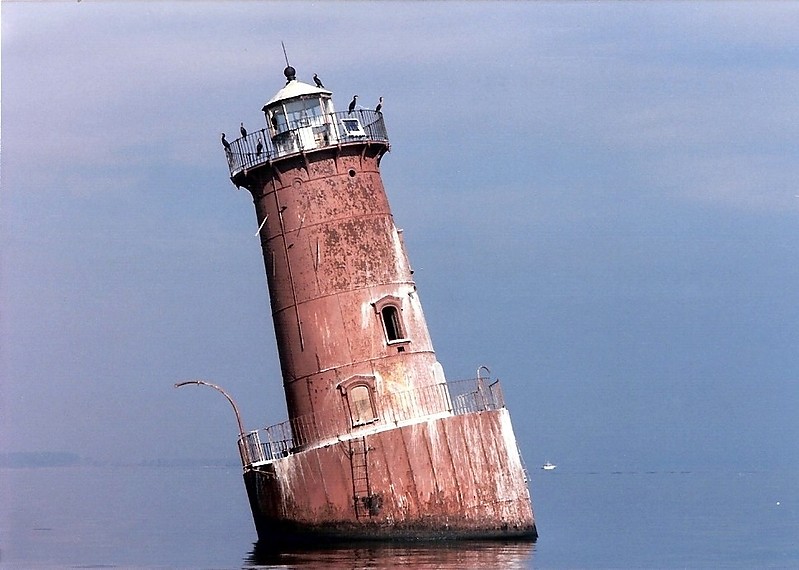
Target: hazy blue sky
601,202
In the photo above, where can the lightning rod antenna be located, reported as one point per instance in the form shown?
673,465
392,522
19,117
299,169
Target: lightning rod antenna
284,53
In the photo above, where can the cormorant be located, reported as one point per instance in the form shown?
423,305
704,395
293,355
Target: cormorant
259,148
225,143
352,104
379,105
243,130
318,81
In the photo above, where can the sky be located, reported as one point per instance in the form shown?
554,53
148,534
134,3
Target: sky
600,202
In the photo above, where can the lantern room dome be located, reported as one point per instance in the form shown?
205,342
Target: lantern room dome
294,89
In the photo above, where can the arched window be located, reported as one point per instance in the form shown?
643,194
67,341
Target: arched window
391,322
361,408
389,309
358,391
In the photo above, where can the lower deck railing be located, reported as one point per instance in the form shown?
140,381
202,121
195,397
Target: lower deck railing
456,398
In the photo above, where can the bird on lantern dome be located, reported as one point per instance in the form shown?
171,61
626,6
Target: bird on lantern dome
318,81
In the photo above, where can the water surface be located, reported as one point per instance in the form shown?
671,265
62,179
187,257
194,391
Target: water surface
180,517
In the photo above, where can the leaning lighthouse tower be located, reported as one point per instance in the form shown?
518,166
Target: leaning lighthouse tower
377,443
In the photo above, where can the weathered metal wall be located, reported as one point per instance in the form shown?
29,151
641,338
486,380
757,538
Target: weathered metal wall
332,253
459,476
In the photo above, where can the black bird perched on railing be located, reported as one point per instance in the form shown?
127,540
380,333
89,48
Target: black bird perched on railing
225,143
352,104
379,105
243,130
318,81
259,148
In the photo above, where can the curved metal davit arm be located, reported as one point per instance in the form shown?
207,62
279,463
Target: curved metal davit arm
225,394
480,385
480,378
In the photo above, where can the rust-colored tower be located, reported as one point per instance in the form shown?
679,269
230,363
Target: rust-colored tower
377,444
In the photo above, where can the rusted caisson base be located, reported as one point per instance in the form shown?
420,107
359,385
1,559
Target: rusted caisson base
454,477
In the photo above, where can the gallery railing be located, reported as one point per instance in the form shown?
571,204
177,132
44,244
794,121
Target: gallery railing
265,145
457,398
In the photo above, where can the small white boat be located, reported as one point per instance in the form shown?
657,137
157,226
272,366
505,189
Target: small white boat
548,466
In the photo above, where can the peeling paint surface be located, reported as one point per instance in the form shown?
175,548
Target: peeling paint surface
426,486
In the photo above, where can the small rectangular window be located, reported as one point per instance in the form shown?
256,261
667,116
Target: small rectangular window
352,128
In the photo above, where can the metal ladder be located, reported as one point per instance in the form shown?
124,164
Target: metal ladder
361,491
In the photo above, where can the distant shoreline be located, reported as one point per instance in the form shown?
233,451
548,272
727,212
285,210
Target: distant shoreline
45,459
17,459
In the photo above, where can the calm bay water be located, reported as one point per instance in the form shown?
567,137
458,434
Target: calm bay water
199,518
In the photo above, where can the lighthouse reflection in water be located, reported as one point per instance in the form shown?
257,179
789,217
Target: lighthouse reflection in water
455,555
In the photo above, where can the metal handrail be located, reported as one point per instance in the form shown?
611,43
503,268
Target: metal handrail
304,136
458,398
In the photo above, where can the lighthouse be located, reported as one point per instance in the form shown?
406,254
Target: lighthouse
377,444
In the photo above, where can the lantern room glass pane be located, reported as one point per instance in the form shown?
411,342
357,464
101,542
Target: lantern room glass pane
278,119
303,113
